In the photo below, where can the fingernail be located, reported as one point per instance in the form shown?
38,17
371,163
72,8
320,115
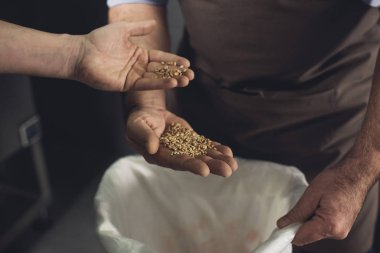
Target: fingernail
298,244
204,173
283,222
228,173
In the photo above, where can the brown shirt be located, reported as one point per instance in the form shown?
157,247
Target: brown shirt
281,80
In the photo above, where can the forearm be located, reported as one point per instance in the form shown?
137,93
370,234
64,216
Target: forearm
367,145
32,52
158,39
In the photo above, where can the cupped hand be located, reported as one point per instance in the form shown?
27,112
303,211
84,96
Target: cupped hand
145,125
108,60
330,205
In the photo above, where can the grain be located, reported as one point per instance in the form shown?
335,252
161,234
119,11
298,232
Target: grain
184,141
169,70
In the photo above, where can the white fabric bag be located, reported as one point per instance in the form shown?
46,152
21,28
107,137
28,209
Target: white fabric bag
144,208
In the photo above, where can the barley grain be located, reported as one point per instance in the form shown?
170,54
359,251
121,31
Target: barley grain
184,141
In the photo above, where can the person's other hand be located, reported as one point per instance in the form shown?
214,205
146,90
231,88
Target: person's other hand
145,125
330,205
108,60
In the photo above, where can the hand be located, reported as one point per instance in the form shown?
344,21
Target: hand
331,204
145,125
108,60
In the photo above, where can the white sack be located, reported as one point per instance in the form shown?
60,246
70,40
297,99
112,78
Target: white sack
144,208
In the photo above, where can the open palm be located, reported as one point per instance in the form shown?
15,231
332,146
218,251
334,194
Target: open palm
110,61
145,125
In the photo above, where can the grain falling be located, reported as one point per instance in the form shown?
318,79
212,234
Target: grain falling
184,141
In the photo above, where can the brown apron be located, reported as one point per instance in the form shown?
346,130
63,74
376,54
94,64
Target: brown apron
281,80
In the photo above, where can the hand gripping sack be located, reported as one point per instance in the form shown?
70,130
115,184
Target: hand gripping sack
144,208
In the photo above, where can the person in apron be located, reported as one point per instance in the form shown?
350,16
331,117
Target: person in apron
104,59
281,80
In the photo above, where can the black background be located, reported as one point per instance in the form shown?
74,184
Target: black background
83,129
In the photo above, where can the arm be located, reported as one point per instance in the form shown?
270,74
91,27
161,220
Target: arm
105,59
332,202
158,39
147,114
28,51
367,145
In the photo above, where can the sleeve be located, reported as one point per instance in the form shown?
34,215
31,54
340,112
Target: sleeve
112,3
373,3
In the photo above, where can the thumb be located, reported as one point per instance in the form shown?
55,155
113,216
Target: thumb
140,28
302,211
143,136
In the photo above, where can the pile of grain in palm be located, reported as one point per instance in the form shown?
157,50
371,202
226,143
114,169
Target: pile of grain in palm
169,70
184,141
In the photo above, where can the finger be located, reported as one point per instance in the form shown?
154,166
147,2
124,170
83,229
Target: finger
189,74
181,162
154,66
180,121
183,81
303,210
147,83
223,149
137,147
140,65
140,28
227,159
143,135
217,167
160,56
311,231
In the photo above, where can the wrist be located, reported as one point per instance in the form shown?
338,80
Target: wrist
140,99
154,98
373,166
366,162
74,52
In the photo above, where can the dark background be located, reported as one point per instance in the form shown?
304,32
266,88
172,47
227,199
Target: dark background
83,128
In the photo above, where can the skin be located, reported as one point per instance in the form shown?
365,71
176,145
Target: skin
105,59
332,202
147,113
334,198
